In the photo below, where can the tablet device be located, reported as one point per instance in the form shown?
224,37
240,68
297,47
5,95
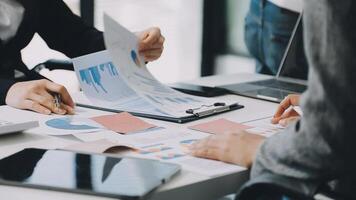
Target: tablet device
198,90
95,174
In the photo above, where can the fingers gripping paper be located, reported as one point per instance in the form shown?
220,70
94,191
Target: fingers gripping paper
122,46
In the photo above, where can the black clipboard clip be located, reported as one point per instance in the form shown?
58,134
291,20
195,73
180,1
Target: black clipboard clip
215,108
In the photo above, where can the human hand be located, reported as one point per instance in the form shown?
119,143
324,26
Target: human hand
150,44
237,148
285,114
36,96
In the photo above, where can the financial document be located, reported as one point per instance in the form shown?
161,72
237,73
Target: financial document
167,145
123,48
118,79
264,127
103,85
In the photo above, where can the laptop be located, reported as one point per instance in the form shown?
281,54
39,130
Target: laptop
290,79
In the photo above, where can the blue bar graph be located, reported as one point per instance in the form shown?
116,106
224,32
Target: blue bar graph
93,76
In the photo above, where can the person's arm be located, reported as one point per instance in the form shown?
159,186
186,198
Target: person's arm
66,32
5,85
38,96
321,147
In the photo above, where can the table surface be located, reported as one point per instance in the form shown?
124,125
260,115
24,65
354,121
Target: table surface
187,185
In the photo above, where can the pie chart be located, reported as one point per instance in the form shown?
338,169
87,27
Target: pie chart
68,123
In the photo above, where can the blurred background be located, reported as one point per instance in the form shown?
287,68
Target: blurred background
203,37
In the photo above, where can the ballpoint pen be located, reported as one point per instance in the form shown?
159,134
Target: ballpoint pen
57,100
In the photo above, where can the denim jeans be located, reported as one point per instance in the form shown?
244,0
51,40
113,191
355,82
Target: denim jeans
268,29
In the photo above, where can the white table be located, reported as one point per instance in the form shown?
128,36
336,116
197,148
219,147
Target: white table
186,185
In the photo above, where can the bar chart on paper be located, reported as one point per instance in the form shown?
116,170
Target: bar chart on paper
93,76
103,82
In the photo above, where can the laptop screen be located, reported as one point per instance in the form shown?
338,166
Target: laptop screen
294,64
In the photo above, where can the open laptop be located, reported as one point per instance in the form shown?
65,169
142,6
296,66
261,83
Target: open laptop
290,79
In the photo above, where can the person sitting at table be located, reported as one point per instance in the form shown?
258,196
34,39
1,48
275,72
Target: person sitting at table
269,25
62,31
319,148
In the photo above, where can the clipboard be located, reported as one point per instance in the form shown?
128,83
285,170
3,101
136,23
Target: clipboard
193,113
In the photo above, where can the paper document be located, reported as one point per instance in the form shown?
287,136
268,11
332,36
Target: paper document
123,47
98,146
167,145
103,85
172,146
264,127
220,126
261,126
70,125
118,78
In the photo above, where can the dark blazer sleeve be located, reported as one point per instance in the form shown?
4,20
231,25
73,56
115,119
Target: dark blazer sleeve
5,85
66,32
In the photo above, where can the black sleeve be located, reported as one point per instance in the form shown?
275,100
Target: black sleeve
66,32
5,85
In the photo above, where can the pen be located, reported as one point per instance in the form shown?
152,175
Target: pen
57,100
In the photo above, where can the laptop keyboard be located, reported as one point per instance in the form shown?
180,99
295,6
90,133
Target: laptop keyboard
274,83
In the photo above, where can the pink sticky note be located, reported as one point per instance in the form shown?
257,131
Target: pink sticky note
220,126
123,123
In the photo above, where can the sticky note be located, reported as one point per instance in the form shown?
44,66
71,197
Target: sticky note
124,123
219,126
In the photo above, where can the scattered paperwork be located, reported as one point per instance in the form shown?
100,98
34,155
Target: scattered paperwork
119,79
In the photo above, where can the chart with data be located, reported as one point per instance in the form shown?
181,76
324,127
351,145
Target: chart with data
100,78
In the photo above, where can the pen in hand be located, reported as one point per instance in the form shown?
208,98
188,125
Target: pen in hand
57,101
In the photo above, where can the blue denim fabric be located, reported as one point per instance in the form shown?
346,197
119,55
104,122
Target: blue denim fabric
268,29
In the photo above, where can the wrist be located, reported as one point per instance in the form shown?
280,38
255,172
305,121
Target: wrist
254,148
6,86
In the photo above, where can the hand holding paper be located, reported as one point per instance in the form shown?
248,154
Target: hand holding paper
118,80
150,44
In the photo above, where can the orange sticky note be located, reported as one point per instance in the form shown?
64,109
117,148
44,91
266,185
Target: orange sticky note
123,123
219,126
